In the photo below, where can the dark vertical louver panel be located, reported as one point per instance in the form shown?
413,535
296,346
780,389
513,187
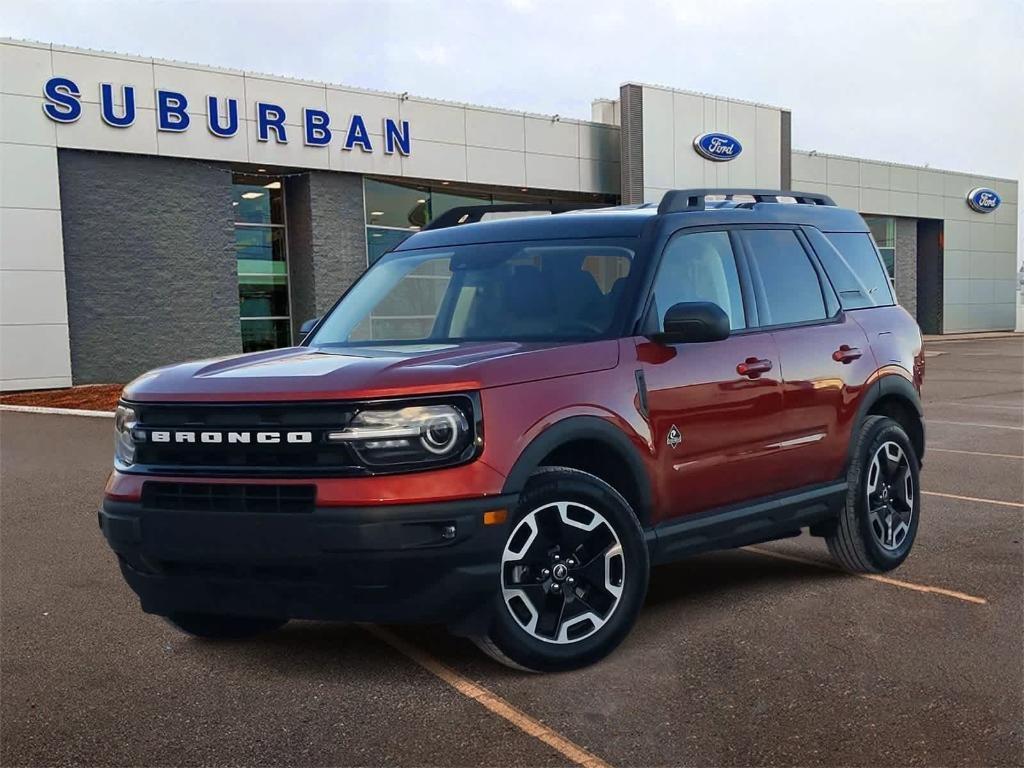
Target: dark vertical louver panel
631,107
786,169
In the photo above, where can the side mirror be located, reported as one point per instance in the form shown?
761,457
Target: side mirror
694,321
308,326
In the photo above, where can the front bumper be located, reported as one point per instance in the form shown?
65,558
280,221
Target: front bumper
391,563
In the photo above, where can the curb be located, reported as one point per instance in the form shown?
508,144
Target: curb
971,336
55,411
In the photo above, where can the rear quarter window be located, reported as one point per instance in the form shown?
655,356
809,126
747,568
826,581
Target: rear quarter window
854,268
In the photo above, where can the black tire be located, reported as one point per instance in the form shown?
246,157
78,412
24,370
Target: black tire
509,642
213,627
857,542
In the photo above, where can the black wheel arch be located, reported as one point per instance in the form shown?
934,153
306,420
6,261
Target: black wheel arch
628,475
895,397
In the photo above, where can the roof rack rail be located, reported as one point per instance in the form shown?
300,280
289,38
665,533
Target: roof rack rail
680,200
470,214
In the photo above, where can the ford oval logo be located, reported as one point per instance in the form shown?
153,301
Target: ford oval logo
983,199
717,146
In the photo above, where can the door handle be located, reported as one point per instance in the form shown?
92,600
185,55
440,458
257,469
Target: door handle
753,367
846,354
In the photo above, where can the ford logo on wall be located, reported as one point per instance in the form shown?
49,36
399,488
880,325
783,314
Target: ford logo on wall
718,147
983,199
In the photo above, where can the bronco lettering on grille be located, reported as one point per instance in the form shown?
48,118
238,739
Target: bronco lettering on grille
231,438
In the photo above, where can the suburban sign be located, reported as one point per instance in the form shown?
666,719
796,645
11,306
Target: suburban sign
983,199
717,146
63,105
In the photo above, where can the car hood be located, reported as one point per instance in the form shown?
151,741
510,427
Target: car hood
327,373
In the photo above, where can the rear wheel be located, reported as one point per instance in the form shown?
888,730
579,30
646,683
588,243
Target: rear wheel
878,525
573,574
214,627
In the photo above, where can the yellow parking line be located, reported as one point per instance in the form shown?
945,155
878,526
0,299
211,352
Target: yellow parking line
976,424
974,498
874,577
497,705
987,406
979,453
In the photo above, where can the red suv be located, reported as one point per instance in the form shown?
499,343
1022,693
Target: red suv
504,423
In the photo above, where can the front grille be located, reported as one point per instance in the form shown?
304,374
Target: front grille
316,456
221,497
243,415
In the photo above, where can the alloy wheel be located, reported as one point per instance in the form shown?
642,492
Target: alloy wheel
890,495
562,572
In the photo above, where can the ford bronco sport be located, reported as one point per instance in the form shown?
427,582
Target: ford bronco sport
503,424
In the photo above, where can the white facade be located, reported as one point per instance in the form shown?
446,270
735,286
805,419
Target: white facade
671,120
980,249
449,142
452,142
34,347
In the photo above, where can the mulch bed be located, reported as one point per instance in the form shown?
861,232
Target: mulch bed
93,397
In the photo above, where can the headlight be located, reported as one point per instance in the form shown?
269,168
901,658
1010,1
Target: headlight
416,434
124,444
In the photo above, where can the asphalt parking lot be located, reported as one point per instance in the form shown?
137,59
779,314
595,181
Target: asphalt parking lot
746,657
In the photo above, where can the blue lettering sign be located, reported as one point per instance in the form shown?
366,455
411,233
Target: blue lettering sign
357,134
213,118
62,100
393,137
170,111
315,122
107,111
63,104
270,116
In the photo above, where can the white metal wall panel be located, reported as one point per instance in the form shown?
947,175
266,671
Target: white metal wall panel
444,135
34,348
980,257
672,119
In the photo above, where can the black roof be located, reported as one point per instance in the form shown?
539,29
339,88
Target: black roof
630,221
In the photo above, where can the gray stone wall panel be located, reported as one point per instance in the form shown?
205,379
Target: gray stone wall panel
338,247
906,264
150,263
299,223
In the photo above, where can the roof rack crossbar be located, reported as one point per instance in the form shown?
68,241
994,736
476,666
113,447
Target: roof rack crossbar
470,214
682,200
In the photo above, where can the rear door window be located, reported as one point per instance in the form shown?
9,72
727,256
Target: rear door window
854,268
785,281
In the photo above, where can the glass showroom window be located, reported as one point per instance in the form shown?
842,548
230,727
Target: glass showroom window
883,229
394,211
261,253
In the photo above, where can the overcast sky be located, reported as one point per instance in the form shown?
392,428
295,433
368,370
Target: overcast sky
932,82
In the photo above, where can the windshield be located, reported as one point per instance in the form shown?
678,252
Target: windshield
555,290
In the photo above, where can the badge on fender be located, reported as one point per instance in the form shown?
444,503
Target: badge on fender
675,437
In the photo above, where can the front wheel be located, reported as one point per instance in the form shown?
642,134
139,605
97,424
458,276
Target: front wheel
573,574
214,627
877,527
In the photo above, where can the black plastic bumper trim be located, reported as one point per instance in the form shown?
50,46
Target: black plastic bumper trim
413,562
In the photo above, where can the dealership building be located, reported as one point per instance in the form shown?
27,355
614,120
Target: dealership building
153,211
